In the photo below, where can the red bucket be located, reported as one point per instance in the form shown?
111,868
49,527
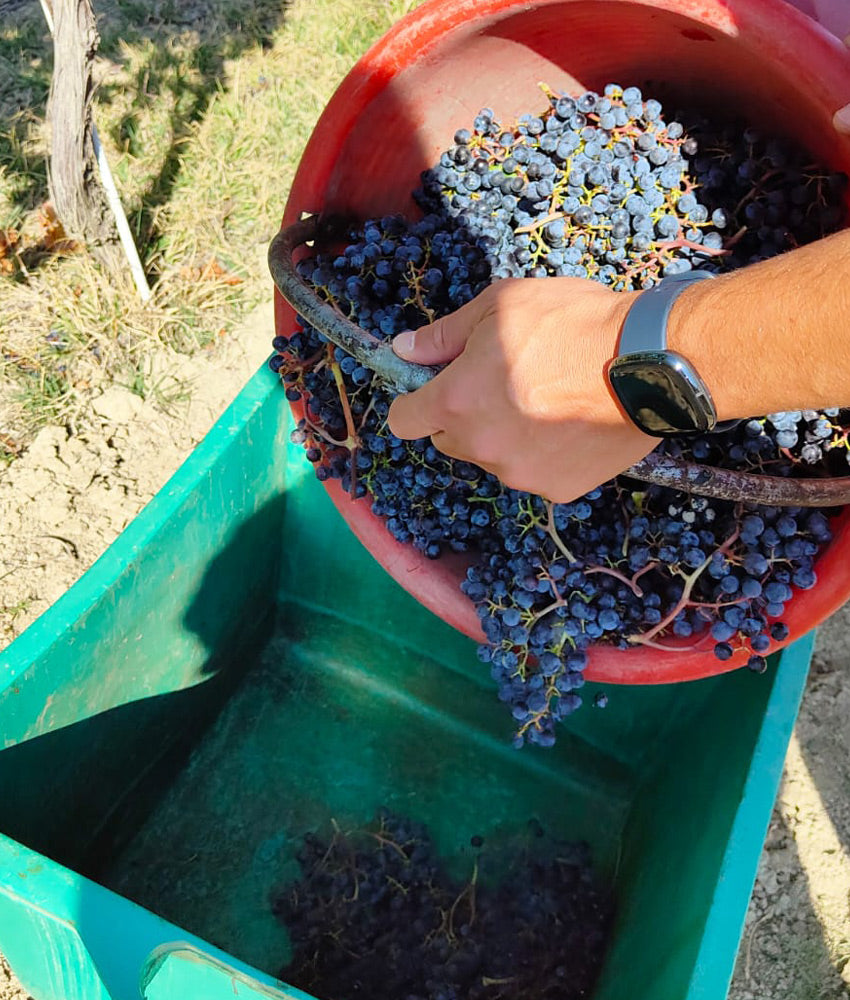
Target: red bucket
402,102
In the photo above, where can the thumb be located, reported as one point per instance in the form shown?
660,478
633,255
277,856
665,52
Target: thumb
841,120
441,341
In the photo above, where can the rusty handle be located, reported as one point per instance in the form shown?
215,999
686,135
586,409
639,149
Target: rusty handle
374,354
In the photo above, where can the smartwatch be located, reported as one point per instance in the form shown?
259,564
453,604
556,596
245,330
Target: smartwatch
661,391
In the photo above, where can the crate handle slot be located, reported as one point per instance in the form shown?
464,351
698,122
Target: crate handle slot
180,970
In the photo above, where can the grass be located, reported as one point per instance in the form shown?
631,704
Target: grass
167,392
203,107
8,614
24,84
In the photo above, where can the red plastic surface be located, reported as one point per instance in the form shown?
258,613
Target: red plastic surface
402,102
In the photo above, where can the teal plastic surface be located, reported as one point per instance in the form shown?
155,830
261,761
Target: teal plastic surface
236,671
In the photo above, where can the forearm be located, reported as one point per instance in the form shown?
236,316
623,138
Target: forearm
774,336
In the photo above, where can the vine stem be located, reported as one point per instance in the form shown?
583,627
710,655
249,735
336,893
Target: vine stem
553,533
388,842
729,484
560,603
468,891
754,191
416,280
372,353
736,237
352,442
294,366
532,226
681,242
672,649
555,592
353,439
323,434
370,406
629,582
690,582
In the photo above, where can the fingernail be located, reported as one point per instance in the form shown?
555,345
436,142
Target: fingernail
841,119
404,343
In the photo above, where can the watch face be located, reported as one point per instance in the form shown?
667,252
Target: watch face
662,393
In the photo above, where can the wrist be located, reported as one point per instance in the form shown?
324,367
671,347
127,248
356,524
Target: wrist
658,387
698,330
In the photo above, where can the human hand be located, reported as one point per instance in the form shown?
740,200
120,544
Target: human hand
834,15
841,118
524,395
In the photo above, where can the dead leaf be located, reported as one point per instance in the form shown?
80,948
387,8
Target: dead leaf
211,271
20,361
10,445
9,239
53,239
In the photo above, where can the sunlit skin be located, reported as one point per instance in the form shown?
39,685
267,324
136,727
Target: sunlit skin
518,404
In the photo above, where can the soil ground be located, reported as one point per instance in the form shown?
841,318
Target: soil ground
796,943
68,498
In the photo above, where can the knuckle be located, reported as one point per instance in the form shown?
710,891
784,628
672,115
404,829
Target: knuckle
440,335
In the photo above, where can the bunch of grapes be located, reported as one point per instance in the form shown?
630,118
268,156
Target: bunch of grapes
597,186
374,913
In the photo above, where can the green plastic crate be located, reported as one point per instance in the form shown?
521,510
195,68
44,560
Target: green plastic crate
236,670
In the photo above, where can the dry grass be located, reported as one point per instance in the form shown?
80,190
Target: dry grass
203,107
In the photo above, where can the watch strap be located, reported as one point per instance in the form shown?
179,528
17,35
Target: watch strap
645,328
